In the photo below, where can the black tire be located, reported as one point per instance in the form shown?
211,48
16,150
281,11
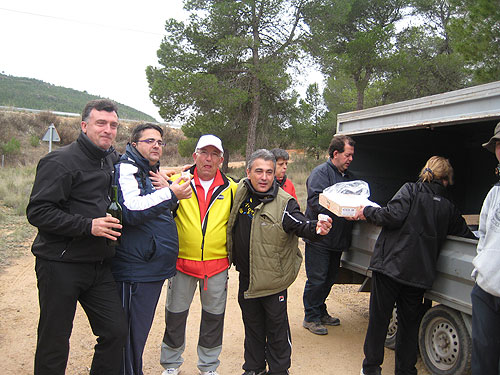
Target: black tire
390,338
445,344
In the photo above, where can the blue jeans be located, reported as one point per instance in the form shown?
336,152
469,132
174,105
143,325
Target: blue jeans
485,332
322,267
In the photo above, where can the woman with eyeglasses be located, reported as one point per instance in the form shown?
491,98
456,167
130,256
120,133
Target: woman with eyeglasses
415,224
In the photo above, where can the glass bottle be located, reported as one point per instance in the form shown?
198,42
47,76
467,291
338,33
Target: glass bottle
115,210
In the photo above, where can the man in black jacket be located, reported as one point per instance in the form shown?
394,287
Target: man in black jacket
68,206
322,258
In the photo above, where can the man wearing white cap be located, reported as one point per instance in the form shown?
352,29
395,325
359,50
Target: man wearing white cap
201,224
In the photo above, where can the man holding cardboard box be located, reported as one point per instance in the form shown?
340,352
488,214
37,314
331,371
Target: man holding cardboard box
322,258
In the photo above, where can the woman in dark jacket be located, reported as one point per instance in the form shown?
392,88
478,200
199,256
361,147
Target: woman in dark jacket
415,223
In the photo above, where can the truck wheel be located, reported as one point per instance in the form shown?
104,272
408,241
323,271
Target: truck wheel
390,338
445,344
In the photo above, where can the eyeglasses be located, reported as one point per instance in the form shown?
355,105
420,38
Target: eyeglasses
152,141
206,153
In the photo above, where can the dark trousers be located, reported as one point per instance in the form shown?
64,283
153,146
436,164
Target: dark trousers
485,332
267,332
60,286
322,267
408,299
139,303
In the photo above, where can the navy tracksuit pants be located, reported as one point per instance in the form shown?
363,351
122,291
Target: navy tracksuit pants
139,303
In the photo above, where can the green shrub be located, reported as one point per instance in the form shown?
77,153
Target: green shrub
12,147
34,141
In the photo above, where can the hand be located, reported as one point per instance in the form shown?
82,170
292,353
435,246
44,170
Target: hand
323,226
359,214
181,190
103,227
169,172
159,179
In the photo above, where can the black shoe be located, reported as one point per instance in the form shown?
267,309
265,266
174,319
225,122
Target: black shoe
255,372
315,327
328,320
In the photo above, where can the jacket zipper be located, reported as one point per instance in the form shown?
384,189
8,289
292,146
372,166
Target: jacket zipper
204,223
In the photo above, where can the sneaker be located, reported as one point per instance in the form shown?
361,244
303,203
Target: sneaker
171,371
255,372
315,327
328,320
378,372
211,372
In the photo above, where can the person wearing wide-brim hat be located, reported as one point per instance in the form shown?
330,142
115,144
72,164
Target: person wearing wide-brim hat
485,294
490,145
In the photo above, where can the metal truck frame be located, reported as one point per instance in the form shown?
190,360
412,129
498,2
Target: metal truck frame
392,144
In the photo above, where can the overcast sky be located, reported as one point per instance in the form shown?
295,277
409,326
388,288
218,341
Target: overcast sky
102,47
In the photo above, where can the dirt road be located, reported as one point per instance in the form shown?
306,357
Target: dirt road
338,353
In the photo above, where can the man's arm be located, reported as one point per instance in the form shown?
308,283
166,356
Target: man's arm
138,208
47,208
295,222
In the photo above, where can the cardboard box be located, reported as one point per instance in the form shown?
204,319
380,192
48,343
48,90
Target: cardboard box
337,209
471,219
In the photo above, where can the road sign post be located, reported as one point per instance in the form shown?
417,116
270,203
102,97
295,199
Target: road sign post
51,136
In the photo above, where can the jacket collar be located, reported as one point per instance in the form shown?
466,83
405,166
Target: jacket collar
330,163
265,197
143,163
90,149
436,187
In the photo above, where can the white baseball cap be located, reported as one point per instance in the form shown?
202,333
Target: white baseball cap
209,140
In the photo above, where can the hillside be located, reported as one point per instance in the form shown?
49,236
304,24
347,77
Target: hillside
35,94
21,134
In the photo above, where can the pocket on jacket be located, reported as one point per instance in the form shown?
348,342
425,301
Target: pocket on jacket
148,251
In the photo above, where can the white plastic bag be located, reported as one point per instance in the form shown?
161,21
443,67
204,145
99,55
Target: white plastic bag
345,197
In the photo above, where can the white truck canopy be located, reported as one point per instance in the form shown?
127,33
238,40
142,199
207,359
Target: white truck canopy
475,103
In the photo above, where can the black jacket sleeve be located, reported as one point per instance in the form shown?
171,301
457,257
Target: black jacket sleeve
47,208
458,226
394,214
295,222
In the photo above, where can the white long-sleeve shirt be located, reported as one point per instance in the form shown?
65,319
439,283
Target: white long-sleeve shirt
487,261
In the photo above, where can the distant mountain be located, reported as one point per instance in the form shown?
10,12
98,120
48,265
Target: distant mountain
35,94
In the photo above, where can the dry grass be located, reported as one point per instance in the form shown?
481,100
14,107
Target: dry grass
15,187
